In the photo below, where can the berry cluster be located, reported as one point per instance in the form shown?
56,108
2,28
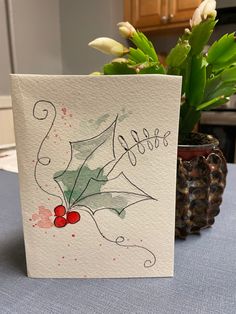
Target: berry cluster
60,221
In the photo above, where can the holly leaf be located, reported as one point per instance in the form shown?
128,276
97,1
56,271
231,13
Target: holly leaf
84,182
115,194
88,160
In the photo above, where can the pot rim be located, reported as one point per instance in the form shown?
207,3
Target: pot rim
200,146
206,141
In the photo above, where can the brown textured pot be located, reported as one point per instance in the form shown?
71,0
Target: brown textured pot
201,179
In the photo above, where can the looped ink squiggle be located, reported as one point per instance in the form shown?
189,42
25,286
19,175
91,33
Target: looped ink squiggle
44,160
120,242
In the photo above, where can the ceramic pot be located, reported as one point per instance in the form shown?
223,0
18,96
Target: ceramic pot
201,179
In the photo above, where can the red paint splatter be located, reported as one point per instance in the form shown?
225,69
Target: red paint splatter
42,216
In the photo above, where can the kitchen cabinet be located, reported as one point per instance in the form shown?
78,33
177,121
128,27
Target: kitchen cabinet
159,15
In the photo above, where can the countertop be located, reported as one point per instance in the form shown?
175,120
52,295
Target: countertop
204,280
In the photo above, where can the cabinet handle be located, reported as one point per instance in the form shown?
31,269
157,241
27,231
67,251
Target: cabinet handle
171,16
164,19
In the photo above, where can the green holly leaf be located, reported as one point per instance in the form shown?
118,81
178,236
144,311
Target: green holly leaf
115,194
84,182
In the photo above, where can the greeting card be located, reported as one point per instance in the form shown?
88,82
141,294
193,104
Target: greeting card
97,169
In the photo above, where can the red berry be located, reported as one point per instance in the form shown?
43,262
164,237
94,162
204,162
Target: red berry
73,217
60,210
60,222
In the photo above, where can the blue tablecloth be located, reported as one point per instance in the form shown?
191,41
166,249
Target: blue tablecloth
204,281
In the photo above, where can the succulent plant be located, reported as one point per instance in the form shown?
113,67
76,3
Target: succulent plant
209,79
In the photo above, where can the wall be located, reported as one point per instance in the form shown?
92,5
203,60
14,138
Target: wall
81,22
35,36
5,66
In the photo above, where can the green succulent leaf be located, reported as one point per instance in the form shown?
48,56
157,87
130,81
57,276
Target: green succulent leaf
222,52
200,35
137,55
189,117
224,84
153,69
219,67
213,103
145,45
178,54
197,81
117,68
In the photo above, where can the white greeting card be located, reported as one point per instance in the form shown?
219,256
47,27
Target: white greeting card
97,168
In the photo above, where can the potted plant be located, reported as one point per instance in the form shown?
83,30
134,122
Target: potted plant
209,79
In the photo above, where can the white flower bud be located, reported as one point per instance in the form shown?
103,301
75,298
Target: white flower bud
196,19
126,29
209,10
206,9
109,46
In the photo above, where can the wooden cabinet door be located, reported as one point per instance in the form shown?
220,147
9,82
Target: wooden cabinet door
181,10
144,13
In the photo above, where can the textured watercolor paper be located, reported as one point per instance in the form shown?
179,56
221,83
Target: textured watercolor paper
102,151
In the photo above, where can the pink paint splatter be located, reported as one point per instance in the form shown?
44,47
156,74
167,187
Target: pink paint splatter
42,217
63,110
